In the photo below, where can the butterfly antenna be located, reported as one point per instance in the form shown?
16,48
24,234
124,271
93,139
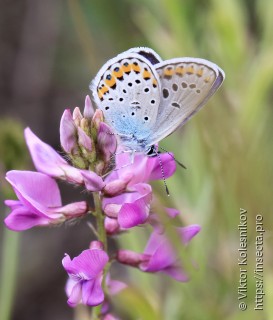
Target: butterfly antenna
163,175
178,162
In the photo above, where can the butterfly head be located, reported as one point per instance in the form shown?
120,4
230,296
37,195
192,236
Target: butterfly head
151,151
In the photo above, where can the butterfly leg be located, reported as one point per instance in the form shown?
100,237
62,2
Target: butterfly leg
132,158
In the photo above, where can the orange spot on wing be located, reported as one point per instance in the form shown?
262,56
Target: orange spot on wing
207,79
136,67
102,91
180,71
146,74
126,68
118,74
190,70
200,72
168,72
110,82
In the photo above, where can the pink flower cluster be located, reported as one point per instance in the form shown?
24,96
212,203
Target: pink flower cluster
125,197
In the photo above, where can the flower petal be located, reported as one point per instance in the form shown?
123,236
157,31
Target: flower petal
92,293
132,214
135,213
107,141
75,295
35,188
131,258
88,111
22,219
68,132
114,286
73,210
48,161
168,165
172,213
84,140
176,273
92,181
187,233
89,263
13,204
162,258
144,168
111,226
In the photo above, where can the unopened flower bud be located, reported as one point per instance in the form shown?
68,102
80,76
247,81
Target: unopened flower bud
96,245
84,140
85,125
112,210
68,132
97,119
115,187
111,226
77,116
131,258
107,141
88,111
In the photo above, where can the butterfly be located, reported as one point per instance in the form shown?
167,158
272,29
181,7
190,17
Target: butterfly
145,99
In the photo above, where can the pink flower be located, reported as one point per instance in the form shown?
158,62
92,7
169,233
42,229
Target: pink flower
144,168
109,316
48,161
131,207
39,202
85,277
159,255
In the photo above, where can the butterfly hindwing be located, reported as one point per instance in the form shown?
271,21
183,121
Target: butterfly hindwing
186,85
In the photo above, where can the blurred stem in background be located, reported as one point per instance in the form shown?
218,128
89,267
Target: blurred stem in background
13,154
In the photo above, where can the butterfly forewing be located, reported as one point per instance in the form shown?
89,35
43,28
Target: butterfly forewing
186,85
147,53
127,90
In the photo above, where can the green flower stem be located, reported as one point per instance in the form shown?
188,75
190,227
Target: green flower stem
101,237
100,220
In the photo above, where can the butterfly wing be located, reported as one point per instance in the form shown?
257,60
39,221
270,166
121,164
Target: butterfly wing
127,90
147,53
186,85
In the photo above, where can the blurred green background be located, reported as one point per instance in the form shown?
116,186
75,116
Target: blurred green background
50,50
